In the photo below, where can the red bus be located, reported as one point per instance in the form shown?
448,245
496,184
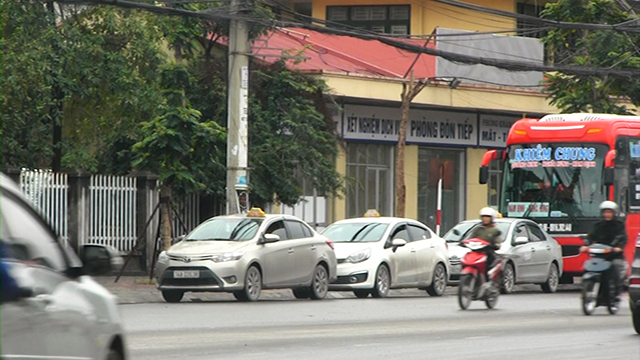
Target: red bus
558,169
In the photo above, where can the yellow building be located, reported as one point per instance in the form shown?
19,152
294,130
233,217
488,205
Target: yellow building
470,108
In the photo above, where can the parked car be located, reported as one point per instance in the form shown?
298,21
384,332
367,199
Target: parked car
244,254
634,288
376,254
50,308
532,255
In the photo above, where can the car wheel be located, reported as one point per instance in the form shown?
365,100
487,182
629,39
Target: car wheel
508,279
301,293
319,284
635,316
114,355
172,296
361,294
552,280
383,282
252,284
439,281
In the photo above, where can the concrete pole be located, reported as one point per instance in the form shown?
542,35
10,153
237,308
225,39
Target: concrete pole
238,109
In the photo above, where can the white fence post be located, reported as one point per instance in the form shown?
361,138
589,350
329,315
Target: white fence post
112,211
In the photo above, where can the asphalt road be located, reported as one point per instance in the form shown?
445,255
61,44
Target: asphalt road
529,325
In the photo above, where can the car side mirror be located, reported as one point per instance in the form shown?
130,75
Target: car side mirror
270,238
396,243
520,240
98,259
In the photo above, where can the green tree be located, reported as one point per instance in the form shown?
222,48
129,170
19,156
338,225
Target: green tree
177,146
93,73
291,136
597,48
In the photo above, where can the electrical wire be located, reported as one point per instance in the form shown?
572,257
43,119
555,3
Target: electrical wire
510,65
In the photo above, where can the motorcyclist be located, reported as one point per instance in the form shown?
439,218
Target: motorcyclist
611,231
488,231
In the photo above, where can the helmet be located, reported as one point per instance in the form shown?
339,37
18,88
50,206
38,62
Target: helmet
609,205
487,211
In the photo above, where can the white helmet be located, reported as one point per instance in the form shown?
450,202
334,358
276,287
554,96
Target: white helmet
609,205
487,211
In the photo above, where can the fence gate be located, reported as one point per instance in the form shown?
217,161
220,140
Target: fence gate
47,191
113,211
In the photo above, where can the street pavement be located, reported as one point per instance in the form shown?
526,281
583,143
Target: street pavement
409,325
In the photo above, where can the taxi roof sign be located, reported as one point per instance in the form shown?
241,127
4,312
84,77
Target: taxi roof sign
255,212
372,213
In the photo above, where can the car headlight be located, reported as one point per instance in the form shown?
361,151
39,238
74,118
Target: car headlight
360,256
163,257
230,256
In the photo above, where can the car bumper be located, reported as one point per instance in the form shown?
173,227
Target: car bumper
350,276
455,270
212,277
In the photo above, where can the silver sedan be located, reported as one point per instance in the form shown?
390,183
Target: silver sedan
532,256
243,254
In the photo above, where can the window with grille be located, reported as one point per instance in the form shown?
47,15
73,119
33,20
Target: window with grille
382,19
528,26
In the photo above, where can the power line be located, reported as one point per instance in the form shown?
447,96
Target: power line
621,27
509,65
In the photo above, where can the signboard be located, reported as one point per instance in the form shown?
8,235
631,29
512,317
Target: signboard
568,156
424,127
494,130
519,209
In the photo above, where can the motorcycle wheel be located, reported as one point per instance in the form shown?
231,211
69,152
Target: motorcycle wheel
465,291
612,304
589,297
491,298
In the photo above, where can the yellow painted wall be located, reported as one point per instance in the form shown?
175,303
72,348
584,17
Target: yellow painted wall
338,208
476,193
426,15
411,181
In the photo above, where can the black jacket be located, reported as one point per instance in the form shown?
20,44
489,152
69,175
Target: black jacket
612,233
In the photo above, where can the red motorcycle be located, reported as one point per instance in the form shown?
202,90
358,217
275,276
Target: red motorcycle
473,282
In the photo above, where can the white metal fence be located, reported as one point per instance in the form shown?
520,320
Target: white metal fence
48,193
113,211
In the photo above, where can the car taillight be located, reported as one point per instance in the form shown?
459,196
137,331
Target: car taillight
330,243
634,281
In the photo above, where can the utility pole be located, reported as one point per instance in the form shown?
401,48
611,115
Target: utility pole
237,112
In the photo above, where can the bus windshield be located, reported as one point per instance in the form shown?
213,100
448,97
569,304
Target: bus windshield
556,180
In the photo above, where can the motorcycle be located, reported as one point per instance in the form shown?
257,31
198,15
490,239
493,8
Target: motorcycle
473,283
598,285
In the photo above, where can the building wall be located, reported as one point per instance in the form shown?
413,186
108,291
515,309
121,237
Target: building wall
476,192
427,15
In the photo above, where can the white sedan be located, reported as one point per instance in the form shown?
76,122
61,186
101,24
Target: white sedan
376,254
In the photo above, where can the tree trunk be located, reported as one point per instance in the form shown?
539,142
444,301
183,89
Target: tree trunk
165,216
401,190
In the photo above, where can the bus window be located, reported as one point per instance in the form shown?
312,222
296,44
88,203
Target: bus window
559,180
634,174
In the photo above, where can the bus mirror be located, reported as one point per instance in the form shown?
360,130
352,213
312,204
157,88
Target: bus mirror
484,174
608,176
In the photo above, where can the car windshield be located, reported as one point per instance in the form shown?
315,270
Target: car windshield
355,232
458,232
553,180
502,226
226,229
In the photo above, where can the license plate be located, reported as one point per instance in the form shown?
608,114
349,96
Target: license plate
186,274
455,269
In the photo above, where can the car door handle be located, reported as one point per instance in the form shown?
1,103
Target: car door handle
413,250
313,247
432,245
548,247
290,251
533,249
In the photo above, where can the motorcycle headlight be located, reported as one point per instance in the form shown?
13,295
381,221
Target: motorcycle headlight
163,257
360,256
230,256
